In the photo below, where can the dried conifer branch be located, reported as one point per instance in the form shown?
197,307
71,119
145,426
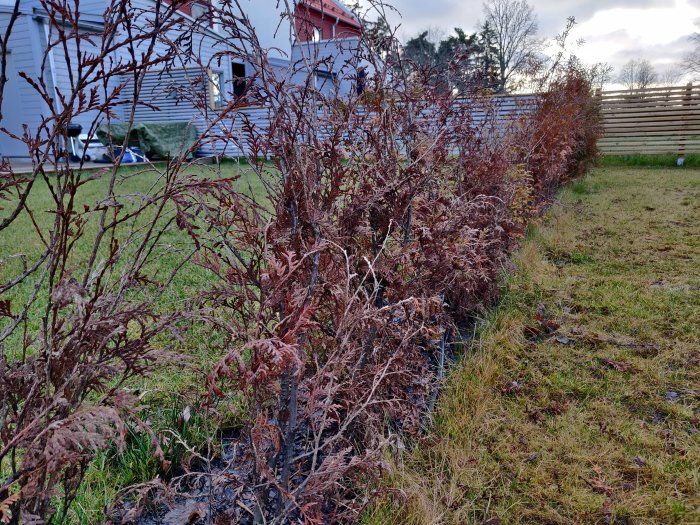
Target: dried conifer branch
380,228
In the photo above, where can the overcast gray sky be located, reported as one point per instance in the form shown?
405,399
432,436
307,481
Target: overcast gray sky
614,30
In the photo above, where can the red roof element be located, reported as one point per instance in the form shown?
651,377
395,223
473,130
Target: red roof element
334,9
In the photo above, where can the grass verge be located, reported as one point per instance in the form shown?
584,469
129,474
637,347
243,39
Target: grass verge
649,161
174,386
598,421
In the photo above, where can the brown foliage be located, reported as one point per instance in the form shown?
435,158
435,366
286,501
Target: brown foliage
88,326
341,293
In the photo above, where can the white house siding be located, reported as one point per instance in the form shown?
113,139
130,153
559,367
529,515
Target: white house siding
273,30
63,62
272,26
21,104
165,89
166,93
338,57
233,140
165,97
29,41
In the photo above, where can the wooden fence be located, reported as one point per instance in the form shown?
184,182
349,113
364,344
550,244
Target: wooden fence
651,121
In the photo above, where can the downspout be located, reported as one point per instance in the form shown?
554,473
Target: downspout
52,62
337,21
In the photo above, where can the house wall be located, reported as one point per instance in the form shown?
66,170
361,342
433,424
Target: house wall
272,27
28,43
171,91
162,91
337,56
166,95
65,61
21,103
307,19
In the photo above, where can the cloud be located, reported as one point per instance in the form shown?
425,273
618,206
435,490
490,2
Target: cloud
663,55
656,33
552,14
614,30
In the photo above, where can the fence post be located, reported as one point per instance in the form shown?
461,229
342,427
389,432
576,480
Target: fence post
687,99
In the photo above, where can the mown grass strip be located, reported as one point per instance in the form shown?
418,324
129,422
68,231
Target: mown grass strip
173,385
649,161
598,421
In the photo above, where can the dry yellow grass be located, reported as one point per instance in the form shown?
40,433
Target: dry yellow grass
602,425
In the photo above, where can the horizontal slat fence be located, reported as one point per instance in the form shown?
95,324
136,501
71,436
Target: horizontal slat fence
653,121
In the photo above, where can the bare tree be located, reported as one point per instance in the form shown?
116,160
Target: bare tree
691,61
601,74
638,74
671,76
515,26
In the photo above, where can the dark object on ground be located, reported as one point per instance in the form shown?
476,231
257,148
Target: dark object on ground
155,139
131,155
73,131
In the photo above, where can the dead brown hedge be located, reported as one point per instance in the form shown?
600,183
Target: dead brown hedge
341,294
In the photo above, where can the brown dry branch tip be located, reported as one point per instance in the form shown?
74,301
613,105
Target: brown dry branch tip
340,290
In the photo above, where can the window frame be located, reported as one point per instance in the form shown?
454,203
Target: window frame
240,82
321,77
203,9
216,89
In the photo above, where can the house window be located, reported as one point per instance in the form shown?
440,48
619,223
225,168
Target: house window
199,11
361,80
325,80
239,80
316,35
216,95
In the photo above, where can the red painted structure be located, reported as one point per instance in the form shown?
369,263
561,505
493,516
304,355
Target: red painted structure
327,18
195,8
323,19
187,6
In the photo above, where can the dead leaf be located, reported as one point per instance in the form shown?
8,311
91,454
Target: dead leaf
599,483
6,508
532,333
545,326
548,325
620,366
532,457
562,339
672,396
5,310
513,387
191,512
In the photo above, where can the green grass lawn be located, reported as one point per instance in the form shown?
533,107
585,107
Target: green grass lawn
174,385
22,242
134,183
598,422
649,161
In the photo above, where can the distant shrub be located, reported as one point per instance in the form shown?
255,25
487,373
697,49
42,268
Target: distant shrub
565,131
